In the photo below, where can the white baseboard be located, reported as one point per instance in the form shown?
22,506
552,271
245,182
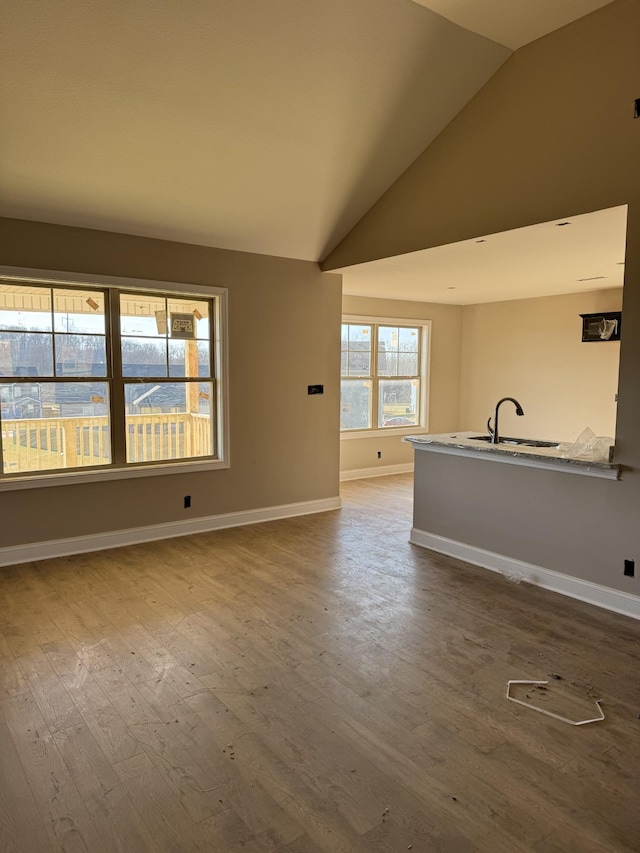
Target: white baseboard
135,535
592,593
382,471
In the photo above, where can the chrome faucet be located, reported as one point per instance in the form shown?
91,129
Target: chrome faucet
495,438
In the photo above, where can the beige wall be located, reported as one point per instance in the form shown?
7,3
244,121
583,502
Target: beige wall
552,134
444,378
531,349
284,334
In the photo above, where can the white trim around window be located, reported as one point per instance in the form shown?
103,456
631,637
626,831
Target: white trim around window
220,375
425,369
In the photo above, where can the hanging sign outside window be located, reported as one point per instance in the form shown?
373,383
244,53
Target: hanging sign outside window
183,326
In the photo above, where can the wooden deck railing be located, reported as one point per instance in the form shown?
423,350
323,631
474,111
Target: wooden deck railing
43,444
157,437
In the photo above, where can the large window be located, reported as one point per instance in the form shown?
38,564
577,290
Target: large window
383,384
106,377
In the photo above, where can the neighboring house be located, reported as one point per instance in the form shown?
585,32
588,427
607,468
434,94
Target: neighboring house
21,401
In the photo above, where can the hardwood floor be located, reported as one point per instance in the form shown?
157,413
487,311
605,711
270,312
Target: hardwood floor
313,684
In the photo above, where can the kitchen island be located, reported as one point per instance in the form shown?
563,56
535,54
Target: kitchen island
523,517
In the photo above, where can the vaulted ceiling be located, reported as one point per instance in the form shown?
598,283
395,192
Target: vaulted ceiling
267,127
513,23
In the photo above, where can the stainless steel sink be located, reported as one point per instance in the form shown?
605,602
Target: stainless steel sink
523,442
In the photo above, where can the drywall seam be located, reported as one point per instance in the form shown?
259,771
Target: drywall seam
592,593
136,535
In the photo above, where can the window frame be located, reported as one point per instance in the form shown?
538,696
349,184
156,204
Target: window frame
424,375
218,343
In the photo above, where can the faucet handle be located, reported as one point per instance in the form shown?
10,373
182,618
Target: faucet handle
490,428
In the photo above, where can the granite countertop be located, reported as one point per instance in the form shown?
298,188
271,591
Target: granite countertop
463,443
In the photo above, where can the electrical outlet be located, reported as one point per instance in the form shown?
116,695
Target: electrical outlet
629,568
379,454
187,501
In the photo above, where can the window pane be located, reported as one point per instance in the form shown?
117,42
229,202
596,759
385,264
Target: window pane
169,420
25,354
27,308
387,363
359,364
47,426
409,340
388,339
79,311
144,357
143,315
407,364
80,355
360,338
397,364
355,404
398,402
197,309
344,337
189,358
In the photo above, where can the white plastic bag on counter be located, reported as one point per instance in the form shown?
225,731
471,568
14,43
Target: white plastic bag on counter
588,446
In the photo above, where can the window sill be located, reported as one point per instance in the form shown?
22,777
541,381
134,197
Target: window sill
381,433
95,475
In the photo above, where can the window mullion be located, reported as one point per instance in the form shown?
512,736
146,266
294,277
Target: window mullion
214,331
53,332
116,397
2,471
167,321
374,377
